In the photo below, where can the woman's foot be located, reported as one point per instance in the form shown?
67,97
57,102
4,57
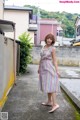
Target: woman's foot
47,103
54,108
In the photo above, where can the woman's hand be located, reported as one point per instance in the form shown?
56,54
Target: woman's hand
38,71
58,74
39,67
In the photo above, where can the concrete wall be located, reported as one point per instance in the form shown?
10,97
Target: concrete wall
1,65
68,55
65,55
6,68
1,9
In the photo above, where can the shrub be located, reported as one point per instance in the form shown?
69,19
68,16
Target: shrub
25,51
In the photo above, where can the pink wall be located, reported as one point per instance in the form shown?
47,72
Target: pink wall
46,29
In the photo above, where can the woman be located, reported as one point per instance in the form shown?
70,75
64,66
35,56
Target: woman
48,72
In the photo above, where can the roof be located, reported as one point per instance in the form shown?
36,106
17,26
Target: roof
59,28
17,41
49,21
32,29
17,8
6,26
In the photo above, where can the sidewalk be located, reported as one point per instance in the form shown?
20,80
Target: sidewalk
24,101
71,83
72,88
69,72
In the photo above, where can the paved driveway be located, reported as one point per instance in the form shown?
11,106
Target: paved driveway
24,101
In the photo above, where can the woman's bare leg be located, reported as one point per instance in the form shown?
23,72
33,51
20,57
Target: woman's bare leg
54,103
49,101
54,98
49,97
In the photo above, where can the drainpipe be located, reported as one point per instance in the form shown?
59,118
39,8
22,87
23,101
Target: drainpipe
14,57
52,28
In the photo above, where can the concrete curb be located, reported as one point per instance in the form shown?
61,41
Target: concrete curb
73,98
69,77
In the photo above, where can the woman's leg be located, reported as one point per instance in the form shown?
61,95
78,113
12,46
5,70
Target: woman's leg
49,97
54,103
49,101
54,98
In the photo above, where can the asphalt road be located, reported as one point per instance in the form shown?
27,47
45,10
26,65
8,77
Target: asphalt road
24,101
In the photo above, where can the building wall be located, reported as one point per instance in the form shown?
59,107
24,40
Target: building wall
46,29
1,9
32,36
21,18
6,68
69,56
77,24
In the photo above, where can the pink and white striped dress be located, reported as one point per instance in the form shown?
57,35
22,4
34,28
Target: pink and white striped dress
48,78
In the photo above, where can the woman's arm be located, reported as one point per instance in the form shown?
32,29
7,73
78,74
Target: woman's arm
39,66
55,60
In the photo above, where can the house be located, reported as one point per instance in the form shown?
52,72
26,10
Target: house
23,17
76,40
1,9
49,26
77,25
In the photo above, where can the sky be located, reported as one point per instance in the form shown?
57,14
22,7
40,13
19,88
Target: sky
70,6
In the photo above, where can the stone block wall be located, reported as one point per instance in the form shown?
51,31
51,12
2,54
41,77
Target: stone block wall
69,56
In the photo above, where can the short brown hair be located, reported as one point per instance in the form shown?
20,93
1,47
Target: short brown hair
51,36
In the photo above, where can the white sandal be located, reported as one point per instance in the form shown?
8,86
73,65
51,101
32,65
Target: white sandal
54,108
47,104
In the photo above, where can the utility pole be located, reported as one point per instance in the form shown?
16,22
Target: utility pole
1,9
4,1
38,23
63,31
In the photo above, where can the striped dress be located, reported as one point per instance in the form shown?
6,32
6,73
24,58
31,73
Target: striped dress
48,78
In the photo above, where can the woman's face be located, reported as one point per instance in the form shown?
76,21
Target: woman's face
49,41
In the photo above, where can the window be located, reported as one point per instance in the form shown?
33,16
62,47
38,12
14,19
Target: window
33,19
